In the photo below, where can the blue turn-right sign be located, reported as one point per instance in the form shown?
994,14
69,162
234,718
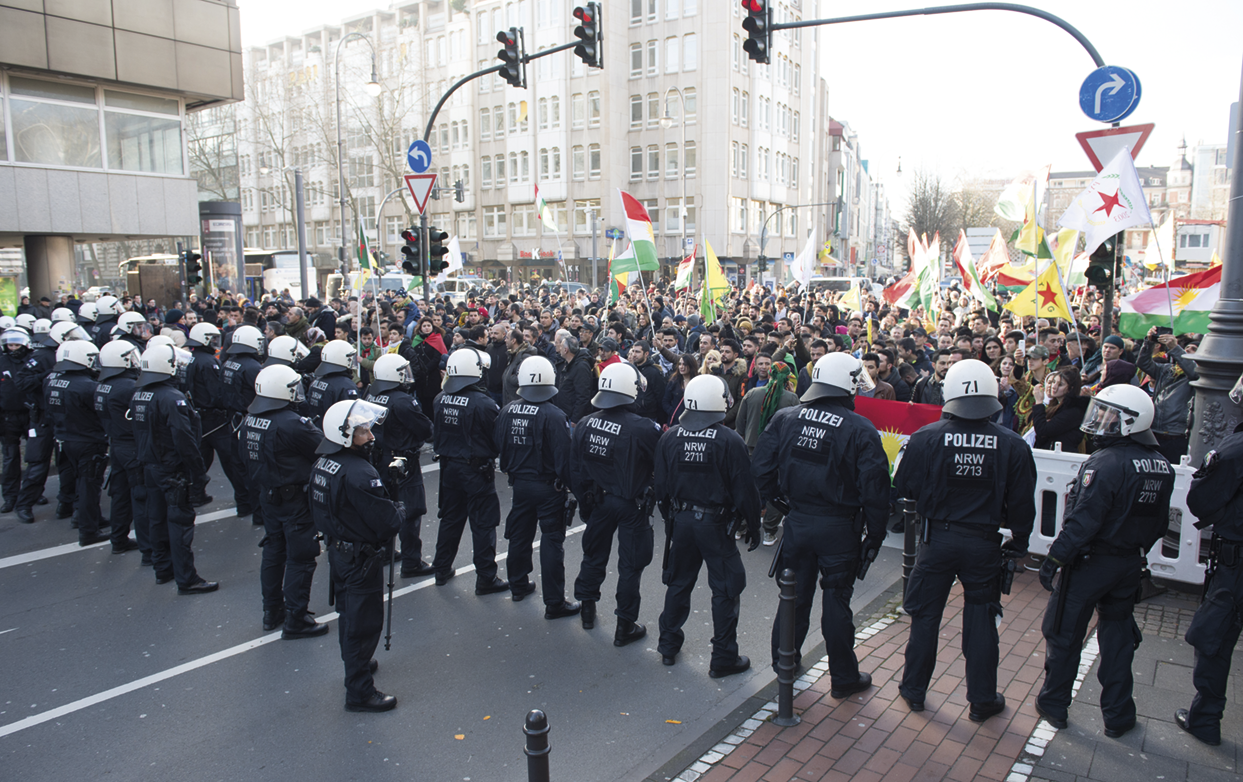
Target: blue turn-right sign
1110,93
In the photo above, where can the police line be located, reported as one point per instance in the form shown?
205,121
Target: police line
1057,471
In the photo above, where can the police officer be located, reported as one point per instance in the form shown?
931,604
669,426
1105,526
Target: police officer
285,350
280,448
69,394
398,441
1116,510
828,462
704,487
533,437
238,374
14,417
611,471
119,362
133,328
334,381
107,310
464,422
1216,498
167,431
350,507
210,396
969,477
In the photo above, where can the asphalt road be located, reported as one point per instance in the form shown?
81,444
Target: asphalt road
107,675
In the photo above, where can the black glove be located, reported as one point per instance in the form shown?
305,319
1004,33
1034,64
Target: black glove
752,537
1012,549
401,510
1048,572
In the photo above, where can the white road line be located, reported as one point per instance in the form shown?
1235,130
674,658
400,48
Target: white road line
224,654
69,548
11,629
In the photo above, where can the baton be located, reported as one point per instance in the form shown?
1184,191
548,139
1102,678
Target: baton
392,562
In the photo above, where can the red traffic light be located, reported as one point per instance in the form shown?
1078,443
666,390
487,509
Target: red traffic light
583,14
754,6
408,235
506,38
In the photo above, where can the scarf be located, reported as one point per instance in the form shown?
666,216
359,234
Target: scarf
780,379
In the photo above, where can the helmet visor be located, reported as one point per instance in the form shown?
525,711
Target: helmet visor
1104,419
77,332
362,415
1236,393
15,337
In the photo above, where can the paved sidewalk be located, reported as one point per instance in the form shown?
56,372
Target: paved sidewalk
874,736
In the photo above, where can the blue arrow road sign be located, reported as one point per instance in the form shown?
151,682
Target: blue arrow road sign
419,156
1110,94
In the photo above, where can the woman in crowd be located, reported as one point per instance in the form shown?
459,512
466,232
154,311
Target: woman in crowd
423,352
1058,411
686,368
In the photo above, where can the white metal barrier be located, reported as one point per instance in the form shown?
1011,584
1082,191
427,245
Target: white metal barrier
1056,472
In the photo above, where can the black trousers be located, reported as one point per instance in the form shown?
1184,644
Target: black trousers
219,439
12,430
826,549
703,539
89,462
1218,621
39,453
128,491
634,553
410,491
467,494
248,501
359,587
537,505
289,552
976,562
172,528
1108,585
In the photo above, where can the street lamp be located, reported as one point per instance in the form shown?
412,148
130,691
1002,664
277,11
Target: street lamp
666,122
372,89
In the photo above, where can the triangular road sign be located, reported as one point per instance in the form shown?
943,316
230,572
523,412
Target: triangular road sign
1103,145
420,186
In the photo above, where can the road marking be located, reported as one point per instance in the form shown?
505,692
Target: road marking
69,548
224,654
11,629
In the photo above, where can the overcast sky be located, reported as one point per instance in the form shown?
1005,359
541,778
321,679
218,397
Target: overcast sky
986,93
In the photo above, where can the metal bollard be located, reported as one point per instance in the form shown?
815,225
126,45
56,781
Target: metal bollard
537,746
786,665
910,542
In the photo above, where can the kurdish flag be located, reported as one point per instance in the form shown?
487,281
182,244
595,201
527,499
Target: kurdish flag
642,239
543,212
1015,278
685,268
1191,297
365,259
966,267
900,290
895,421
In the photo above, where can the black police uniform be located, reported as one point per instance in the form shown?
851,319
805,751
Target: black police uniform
14,421
328,389
167,431
465,424
1117,509
280,448
210,396
70,399
349,506
100,331
238,373
828,462
533,439
126,485
612,465
969,478
402,434
1216,498
41,441
704,478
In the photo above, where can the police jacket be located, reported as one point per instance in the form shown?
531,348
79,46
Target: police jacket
465,424
70,400
348,501
204,383
576,385
30,381
405,427
12,400
534,441
112,398
970,472
1120,500
167,430
326,391
707,467
101,330
1216,495
826,460
238,375
615,450
280,447
1172,393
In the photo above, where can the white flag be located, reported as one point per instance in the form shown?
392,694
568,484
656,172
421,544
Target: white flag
805,264
1113,203
454,258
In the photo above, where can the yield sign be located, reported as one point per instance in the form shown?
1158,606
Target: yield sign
1103,145
420,186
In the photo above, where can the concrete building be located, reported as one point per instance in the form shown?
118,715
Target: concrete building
1210,183
95,97
859,224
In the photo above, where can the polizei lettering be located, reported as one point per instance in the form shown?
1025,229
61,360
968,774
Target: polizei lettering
1159,466
608,426
968,440
820,417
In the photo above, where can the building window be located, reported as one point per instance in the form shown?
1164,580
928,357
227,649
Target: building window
690,52
671,9
498,167
582,214
578,162
671,161
556,162
652,206
524,220
636,111
494,222
636,12
558,218
742,162
593,109
690,160
543,113
653,109
498,121
733,158
688,96
636,60
671,55
466,225
736,51
734,110
652,49
392,229
578,112
554,104
593,160
673,218
739,212
485,125
636,164
485,173
653,162
746,108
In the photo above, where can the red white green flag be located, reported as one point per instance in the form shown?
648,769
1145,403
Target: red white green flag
544,213
895,421
1188,298
642,238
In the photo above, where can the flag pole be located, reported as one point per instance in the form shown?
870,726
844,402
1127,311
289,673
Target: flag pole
1062,283
1168,299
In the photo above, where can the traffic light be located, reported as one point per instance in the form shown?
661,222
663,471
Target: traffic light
763,264
591,47
511,57
194,269
436,250
412,262
459,191
758,25
1103,263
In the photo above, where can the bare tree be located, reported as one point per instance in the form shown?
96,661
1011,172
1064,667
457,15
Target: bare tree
211,141
932,206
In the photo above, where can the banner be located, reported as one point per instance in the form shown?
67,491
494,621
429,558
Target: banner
896,421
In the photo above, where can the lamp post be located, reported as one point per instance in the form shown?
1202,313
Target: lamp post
300,223
666,122
372,88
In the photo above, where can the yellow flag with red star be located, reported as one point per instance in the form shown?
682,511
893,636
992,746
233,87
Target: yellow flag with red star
1044,298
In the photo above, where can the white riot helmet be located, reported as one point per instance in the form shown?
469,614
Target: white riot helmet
63,314
1120,411
970,390
7,322
837,375
337,356
706,400
285,350
161,362
107,305
63,332
135,324
620,384
391,371
75,356
276,387
87,312
203,335
161,339
18,337
246,339
346,416
116,357
40,332
465,367
26,321
537,380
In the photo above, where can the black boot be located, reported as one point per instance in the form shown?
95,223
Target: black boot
9,505
25,516
273,619
588,614
64,510
628,632
304,626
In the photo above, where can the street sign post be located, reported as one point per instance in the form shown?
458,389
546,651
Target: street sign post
1103,145
1110,94
420,186
614,233
419,156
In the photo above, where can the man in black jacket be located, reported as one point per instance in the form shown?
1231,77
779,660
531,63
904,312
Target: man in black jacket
650,401
578,381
